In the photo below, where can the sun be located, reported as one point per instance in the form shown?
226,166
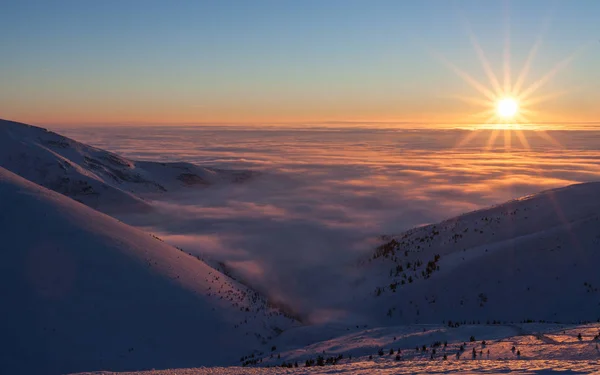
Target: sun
507,108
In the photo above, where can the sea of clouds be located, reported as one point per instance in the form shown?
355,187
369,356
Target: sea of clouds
326,194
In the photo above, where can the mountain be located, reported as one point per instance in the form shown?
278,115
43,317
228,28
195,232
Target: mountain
98,178
533,258
82,291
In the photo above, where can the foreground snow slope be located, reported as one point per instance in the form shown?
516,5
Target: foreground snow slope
95,177
82,291
532,258
538,349
537,367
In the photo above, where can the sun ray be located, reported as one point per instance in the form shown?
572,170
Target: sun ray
525,94
524,123
465,76
474,119
488,112
465,140
547,97
507,72
507,140
474,100
491,119
522,117
528,111
543,134
489,72
491,140
508,105
533,52
525,70
521,137
557,68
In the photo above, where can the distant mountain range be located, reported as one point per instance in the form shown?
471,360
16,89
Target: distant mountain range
95,177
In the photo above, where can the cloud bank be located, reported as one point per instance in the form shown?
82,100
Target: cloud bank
326,194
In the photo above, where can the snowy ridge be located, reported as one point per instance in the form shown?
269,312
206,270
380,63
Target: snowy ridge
532,258
98,178
430,349
87,292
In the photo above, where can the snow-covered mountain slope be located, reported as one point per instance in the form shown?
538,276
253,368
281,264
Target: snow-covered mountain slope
535,258
82,291
95,177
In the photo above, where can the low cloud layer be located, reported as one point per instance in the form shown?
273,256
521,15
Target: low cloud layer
326,194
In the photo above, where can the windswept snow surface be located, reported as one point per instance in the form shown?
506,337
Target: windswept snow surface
394,368
82,291
538,349
98,178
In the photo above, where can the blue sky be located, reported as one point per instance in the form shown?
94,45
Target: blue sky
236,61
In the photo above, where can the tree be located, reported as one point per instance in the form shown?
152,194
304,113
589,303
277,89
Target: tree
320,361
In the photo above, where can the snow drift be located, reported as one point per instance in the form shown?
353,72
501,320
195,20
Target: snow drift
83,291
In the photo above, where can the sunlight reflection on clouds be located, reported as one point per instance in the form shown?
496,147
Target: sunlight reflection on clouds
326,194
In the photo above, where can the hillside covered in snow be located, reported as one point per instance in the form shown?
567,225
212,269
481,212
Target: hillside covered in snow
98,178
534,258
86,292
82,291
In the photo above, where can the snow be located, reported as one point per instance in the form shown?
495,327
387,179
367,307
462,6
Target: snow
83,291
86,292
535,352
533,258
421,367
98,178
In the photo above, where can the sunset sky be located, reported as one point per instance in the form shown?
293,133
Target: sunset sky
172,62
